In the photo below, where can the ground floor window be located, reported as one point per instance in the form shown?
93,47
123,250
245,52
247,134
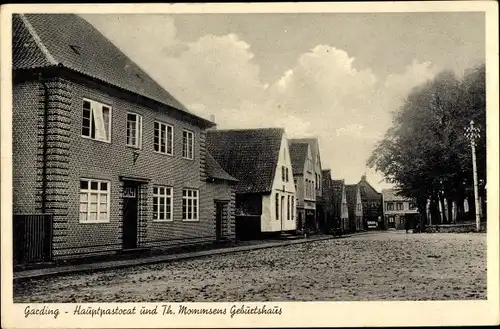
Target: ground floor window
94,201
190,204
162,203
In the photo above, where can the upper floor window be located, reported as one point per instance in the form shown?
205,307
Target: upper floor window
163,138
96,120
390,206
94,201
190,205
412,206
399,206
134,130
187,144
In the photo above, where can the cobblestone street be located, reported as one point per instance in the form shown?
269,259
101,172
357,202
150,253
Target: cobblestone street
375,266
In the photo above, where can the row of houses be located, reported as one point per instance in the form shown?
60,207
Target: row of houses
105,160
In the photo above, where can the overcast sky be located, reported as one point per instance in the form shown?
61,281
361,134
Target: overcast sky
333,76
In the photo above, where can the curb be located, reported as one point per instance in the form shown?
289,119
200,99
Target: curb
96,267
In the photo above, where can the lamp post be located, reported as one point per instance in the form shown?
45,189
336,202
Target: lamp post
472,133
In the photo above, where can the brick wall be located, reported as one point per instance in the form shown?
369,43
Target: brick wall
71,157
24,147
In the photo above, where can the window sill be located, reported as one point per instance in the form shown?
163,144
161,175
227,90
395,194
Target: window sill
190,220
190,159
167,154
97,140
135,148
94,222
162,220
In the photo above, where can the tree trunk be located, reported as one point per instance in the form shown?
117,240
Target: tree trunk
443,208
434,208
449,202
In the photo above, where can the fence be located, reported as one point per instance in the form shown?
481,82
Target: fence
32,238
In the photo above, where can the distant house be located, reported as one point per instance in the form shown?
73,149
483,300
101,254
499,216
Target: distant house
304,180
335,201
104,159
316,160
355,207
372,204
399,212
265,192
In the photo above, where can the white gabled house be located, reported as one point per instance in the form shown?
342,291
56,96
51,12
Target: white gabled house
265,194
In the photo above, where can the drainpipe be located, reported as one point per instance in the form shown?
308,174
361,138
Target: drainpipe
45,133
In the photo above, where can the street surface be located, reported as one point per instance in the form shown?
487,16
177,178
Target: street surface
374,266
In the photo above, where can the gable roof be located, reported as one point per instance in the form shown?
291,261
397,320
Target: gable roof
367,191
391,195
69,41
249,155
350,193
215,171
298,156
313,143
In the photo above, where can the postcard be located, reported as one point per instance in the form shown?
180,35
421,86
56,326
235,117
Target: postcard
250,165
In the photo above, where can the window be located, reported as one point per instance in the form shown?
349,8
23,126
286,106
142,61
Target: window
412,206
187,145
134,130
162,203
292,208
390,206
277,206
286,174
190,205
288,208
96,120
283,178
94,201
163,138
399,206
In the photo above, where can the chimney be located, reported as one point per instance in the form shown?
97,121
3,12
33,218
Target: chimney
212,118
363,178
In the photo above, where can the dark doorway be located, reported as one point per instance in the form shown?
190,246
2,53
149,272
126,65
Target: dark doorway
130,215
219,220
391,223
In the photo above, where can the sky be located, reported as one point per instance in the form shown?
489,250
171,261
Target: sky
334,76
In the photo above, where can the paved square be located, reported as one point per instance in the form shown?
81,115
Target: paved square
374,266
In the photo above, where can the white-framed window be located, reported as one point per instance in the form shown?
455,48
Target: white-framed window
187,144
134,130
399,206
162,203
390,206
288,209
292,208
190,200
286,175
163,138
94,201
96,120
277,206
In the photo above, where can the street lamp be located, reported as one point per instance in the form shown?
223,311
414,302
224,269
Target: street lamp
472,133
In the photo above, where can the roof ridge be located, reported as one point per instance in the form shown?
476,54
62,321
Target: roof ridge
38,41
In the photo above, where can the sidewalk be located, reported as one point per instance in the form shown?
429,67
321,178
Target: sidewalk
100,266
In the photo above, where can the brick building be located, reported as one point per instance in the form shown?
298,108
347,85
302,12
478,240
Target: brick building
372,204
355,207
265,193
116,160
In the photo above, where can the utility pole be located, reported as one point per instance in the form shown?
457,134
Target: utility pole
472,133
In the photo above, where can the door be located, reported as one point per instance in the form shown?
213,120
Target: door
129,215
391,223
219,218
